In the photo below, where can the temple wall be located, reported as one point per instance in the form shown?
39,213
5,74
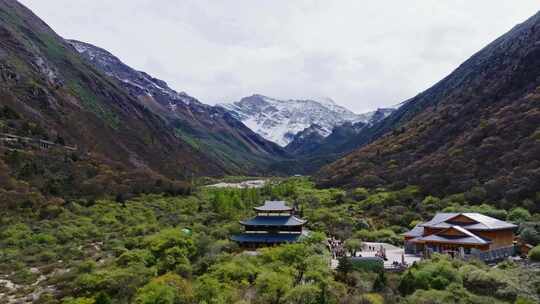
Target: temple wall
499,238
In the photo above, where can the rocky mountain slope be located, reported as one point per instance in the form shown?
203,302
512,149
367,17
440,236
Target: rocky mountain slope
341,140
280,120
209,130
47,83
120,141
476,131
307,139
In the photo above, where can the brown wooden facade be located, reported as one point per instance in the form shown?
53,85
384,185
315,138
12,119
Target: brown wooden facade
461,233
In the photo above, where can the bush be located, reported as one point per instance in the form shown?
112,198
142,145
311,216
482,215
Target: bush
169,288
383,235
437,273
78,301
360,194
481,282
534,254
476,195
154,293
305,294
530,236
518,215
371,265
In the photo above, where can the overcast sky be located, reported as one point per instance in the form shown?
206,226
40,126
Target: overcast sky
362,54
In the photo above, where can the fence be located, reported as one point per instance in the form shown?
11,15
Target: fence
15,140
492,255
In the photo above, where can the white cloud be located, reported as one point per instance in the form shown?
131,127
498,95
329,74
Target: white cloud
361,53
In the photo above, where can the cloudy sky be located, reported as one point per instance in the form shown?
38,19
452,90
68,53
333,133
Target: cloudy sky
363,54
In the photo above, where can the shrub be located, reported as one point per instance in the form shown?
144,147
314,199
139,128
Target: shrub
360,194
476,194
437,273
156,293
135,256
534,254
481,281
78,301
304,294
519,215
383,235
380,282
372,265
271,286
344,265
210,290
169,288
353,246
530,235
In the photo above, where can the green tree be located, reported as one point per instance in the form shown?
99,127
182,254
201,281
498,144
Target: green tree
78,301
273,286
345,265
303,294
518,215
530,235
103,298
534,254
156,293
380,282
210,291
353,246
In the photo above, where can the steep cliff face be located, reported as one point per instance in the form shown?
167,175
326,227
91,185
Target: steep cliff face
477,128
306,140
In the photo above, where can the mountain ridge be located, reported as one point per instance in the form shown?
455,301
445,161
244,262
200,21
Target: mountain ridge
209,129
472,131
280,120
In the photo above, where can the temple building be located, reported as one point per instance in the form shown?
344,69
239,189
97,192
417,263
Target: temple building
461,234
274,223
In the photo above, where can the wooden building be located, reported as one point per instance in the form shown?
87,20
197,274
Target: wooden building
461,234
273,224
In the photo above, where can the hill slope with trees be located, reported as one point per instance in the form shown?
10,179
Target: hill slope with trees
475,132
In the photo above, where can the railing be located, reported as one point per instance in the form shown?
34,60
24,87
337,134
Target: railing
11,139
492,255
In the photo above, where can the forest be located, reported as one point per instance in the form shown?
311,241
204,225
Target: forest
175,248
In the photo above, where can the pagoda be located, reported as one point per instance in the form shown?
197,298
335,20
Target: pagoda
274,224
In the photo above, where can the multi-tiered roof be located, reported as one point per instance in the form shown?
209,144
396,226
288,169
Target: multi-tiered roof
273,224
468,230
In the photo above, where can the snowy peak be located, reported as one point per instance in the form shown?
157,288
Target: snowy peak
139,83
280,120
373,117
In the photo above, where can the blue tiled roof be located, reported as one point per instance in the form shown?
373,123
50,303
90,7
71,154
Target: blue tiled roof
289,220
273,206
415,232
266,238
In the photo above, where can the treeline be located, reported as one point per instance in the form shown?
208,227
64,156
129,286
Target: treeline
34,179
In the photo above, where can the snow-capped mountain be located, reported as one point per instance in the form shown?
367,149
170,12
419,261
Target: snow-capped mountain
137,82
210,130
280,120
307,139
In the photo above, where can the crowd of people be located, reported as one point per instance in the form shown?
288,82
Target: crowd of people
336,247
